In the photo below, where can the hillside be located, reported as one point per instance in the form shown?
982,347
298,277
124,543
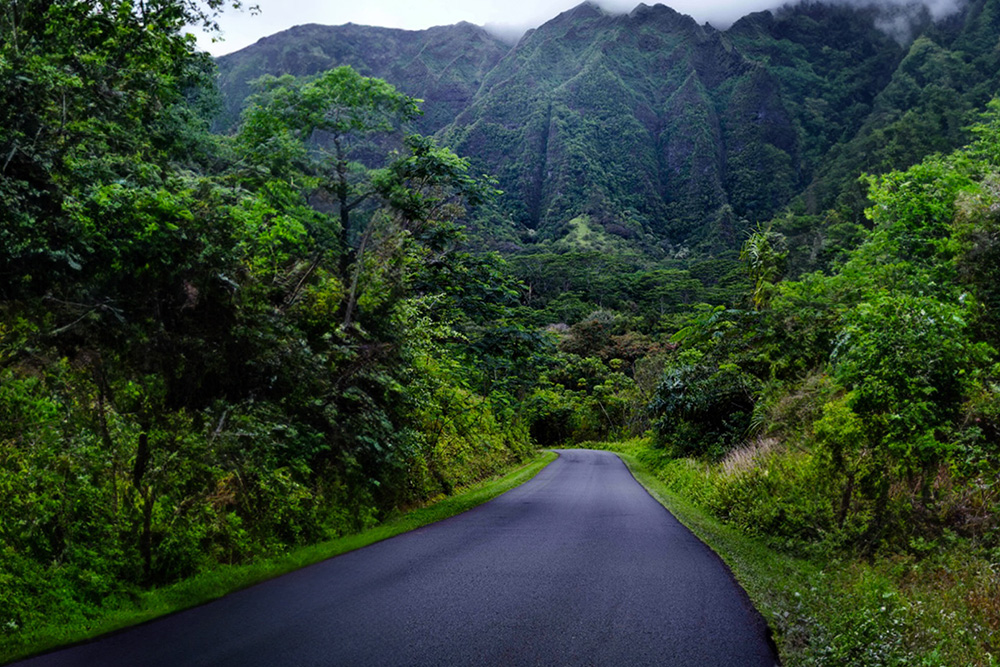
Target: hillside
664,132
443,66
218,352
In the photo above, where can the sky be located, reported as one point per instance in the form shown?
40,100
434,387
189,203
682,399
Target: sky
507,18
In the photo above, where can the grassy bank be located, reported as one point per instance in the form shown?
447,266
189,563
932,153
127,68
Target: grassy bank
220,581
829,607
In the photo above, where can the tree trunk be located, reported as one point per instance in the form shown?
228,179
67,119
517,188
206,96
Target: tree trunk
352,297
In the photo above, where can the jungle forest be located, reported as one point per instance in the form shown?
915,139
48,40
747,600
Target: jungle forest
241,319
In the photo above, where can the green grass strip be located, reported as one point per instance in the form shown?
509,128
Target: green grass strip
215,583
826,607
772,580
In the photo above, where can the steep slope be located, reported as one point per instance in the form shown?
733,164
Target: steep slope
664,132
646,122
865,102
832,63
443,66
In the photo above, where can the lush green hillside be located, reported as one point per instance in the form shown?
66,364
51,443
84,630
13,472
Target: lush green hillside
443,66
571,122
669,134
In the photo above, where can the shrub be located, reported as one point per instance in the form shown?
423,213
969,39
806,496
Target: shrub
702,410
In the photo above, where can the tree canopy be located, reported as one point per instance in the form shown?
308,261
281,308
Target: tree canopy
213,348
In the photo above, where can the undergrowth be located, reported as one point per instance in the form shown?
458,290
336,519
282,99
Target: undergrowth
935,605
80,623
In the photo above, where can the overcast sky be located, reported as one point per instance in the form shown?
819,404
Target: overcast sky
512,17
507,17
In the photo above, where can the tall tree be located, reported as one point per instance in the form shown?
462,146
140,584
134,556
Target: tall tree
329,132
341,139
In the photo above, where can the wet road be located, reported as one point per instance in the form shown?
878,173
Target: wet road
579,566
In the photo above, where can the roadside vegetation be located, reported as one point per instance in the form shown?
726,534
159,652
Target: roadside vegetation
69,626
216,350
847,421
825,605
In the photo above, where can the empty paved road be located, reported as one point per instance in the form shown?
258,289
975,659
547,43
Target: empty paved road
580,566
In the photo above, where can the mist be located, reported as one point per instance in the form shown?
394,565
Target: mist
509,19
898,16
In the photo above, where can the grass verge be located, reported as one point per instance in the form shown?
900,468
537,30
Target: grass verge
215,583
772,580
829,607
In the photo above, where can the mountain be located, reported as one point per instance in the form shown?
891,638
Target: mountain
444,66
666,133
646,121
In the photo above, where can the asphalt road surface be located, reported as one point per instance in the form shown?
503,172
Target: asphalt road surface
579,566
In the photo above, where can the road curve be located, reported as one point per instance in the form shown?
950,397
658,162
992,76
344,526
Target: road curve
579,566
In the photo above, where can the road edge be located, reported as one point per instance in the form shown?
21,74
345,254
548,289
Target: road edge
721,540
219,582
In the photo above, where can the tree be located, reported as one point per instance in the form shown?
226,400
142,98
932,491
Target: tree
329,133
764,253
340,137
94,91
908,360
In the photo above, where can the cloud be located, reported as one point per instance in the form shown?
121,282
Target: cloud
720,14
508,19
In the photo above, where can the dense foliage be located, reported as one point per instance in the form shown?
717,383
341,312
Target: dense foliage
857,411
218,347
214,348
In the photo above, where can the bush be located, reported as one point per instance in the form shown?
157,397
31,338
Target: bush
702,410
776,493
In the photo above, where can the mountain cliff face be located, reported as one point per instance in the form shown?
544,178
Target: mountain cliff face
636,119
443,66
663,131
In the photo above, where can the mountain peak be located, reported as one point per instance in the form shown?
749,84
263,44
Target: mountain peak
662,15
585,10
643,10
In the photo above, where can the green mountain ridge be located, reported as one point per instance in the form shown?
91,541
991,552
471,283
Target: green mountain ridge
665,132
217,349
442,65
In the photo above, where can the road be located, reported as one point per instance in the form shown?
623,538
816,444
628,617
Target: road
579,566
